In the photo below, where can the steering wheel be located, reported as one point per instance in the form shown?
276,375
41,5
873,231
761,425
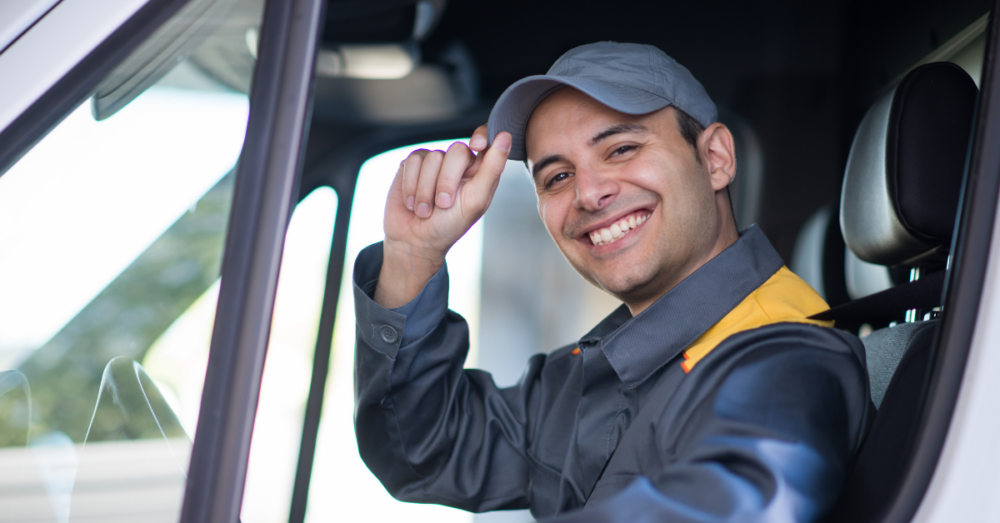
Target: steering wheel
130,407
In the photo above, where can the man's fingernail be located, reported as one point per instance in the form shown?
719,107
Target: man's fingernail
423,210
477,142
409,203
444,200
503,143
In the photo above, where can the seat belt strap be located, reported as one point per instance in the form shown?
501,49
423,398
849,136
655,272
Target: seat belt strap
891,303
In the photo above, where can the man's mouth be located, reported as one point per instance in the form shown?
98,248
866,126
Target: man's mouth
618,229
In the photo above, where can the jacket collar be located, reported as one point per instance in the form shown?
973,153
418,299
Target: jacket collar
638,346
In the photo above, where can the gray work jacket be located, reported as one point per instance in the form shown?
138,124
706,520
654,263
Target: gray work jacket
762,429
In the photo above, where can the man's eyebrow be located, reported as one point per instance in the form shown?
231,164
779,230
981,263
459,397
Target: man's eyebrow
617,129
545,162
610,131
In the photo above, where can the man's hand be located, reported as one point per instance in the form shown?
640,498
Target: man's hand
435,198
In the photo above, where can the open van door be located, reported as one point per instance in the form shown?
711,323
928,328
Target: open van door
147,148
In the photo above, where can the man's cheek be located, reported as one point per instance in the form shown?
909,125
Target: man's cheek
554,219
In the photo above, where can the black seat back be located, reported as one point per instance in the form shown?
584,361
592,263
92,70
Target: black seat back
881,464
898,206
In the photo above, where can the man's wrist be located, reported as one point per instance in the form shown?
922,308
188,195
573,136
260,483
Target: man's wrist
405,271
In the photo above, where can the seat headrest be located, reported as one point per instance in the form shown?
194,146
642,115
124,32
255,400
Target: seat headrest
818,257
904,172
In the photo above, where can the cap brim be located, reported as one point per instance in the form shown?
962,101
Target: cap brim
514,108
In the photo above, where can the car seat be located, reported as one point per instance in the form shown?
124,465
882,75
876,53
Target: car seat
898,209
819,256
822,259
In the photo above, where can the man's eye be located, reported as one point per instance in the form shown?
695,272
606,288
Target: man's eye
623,149
557,178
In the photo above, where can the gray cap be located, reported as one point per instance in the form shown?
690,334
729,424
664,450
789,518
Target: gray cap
629,78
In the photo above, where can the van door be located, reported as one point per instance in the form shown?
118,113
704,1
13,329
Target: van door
147,147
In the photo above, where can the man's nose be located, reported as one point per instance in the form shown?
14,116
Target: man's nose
594,190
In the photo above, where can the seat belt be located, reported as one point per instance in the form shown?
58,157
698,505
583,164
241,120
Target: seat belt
891,303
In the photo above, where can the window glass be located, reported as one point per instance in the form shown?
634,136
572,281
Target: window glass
178,359
90,172
342,488
113,225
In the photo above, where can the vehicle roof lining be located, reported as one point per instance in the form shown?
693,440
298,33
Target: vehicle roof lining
780,69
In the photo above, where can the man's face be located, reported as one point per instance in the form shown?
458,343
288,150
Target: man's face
624,197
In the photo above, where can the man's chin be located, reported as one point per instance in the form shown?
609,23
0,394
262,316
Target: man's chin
628,287
624,277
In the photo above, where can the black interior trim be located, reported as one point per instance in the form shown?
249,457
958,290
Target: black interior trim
321,355
81,81
963,288
267,185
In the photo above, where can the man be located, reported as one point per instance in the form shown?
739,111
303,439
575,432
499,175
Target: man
708,396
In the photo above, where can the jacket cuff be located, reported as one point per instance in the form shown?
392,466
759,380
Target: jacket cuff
389,329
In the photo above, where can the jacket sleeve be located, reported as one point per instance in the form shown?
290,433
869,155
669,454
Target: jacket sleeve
771,442
430,430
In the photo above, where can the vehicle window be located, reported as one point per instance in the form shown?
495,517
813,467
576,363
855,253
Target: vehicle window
113,226
178,359
342,488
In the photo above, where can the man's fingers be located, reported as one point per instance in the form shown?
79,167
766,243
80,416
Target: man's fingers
478,141
493,161
430,168
411,174
396,189
456,161
432,178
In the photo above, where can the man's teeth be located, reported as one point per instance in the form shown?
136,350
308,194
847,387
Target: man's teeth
617,229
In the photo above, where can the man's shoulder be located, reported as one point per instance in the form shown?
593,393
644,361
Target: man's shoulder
778,361
785,296
794,336
788,303
788,346
782,299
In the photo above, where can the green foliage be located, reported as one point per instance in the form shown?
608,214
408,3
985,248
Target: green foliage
127,316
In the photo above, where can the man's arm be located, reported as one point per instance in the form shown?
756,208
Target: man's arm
430,430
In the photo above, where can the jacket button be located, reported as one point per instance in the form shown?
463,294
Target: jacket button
389,335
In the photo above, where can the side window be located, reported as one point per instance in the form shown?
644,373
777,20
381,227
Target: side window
113,226
342,488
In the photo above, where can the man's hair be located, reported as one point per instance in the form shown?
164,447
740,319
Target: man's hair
690,129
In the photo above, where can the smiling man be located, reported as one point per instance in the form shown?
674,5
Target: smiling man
709,395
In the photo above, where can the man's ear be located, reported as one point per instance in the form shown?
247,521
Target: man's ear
718,155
